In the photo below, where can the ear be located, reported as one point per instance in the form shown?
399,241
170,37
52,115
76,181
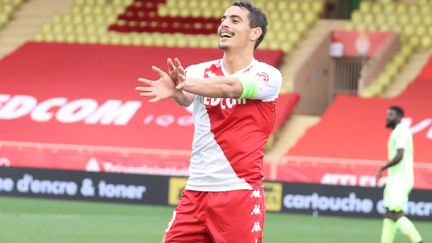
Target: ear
255,33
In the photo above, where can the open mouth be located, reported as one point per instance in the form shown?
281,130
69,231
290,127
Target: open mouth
226,34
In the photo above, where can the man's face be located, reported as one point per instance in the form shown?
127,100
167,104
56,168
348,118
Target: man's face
234,30
392,119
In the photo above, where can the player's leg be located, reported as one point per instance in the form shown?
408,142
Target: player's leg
187,221
396,201
389,229
236,216
407,228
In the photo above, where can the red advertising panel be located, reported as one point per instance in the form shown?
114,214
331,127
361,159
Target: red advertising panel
74,107
354,44
339,171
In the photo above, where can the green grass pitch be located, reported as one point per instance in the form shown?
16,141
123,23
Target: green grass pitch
57,221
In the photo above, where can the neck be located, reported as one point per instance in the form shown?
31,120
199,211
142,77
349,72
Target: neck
395,125
234,61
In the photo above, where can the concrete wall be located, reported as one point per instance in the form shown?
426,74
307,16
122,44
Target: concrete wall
312,80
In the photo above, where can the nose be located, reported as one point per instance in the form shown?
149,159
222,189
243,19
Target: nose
224,23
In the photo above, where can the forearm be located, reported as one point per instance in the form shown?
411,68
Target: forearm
215,87
183,98
391,163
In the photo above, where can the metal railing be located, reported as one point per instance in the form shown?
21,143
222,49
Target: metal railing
352,74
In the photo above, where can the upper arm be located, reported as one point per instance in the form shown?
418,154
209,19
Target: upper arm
262,85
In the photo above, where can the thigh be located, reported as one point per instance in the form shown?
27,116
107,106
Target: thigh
187,220
396,198
236,216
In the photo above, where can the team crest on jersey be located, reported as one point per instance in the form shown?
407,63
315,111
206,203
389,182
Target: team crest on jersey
210,74
213,70
263,76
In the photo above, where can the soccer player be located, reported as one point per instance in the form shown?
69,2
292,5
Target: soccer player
234,113
400,179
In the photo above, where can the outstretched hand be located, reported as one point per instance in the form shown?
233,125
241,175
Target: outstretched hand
161,89
176,72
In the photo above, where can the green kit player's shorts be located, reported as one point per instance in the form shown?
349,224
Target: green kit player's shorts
396,197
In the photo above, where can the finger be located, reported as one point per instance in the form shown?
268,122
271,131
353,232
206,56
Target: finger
181,70
146,81
171,65
179,65
147,94
158,71
177,62
182,77
180,86
144,89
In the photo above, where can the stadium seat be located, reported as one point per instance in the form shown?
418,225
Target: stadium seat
196,20
412,20
7,10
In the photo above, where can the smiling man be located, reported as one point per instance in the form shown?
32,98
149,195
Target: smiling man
234,113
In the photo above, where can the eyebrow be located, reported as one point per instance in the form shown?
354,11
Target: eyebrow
232,16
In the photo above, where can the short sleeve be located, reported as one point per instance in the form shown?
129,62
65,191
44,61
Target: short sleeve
191,72
263,84
401,139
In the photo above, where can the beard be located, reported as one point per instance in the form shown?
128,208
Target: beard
391,124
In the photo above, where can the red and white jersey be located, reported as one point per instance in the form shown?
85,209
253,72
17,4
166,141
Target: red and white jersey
230,134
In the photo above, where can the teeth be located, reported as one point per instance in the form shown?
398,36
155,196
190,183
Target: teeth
226,34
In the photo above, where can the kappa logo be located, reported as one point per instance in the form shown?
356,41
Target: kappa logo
256,227
256,194
256,210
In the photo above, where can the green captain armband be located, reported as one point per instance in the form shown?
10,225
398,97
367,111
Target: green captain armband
250,86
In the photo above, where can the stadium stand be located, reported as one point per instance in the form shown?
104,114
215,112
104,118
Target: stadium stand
7,10
411,20
152,22
352,132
